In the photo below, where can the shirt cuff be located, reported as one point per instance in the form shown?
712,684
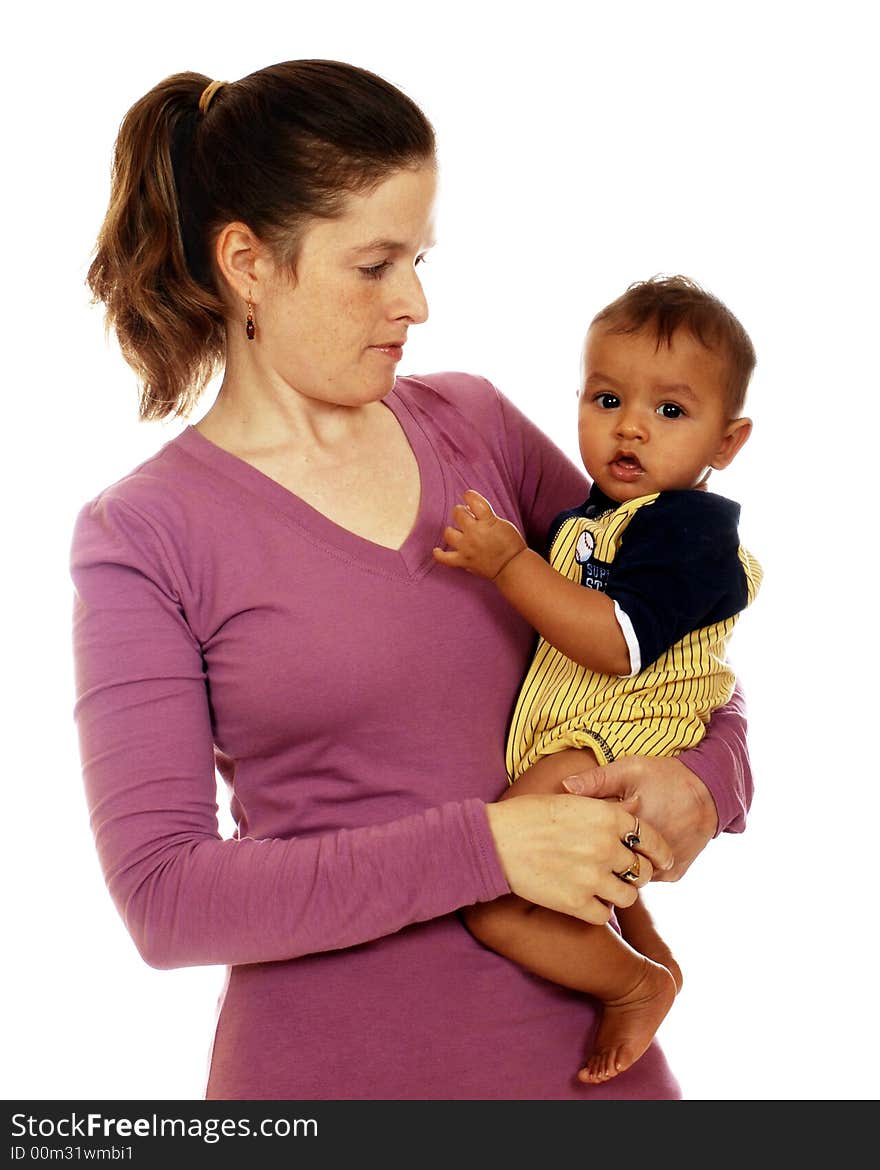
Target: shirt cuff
632,642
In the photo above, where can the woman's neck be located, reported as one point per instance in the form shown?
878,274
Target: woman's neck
249,420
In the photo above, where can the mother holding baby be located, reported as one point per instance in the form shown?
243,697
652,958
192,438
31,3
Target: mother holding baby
261,597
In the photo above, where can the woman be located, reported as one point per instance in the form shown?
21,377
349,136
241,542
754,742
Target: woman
261,596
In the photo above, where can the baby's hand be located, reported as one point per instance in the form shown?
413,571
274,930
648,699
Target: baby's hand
479,541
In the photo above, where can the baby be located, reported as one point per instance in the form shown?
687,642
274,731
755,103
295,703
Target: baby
634,606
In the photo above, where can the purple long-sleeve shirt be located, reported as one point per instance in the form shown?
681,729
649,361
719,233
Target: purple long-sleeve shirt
355,699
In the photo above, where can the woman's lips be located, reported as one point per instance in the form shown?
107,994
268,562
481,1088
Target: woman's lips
395,352
626,468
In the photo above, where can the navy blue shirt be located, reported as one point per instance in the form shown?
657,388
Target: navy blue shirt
677,567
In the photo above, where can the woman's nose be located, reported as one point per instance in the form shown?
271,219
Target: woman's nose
412,302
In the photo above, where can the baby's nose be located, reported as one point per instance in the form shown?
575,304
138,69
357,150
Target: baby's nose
631,425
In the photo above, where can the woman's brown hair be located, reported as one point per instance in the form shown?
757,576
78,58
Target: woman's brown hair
277,149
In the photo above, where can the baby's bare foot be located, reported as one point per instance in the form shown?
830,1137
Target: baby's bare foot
629,1024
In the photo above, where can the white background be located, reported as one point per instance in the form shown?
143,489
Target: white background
583,146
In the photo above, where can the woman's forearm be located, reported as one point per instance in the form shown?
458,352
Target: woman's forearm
721,761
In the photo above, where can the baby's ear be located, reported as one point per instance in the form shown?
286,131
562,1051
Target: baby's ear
735,435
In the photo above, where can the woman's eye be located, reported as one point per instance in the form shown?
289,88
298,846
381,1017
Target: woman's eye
607,401
669,410
374,271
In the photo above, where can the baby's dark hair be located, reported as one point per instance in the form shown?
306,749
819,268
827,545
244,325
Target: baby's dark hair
665,304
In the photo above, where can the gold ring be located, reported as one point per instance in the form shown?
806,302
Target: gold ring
631,873
632,838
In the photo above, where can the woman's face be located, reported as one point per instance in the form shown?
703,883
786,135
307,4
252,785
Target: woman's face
335,331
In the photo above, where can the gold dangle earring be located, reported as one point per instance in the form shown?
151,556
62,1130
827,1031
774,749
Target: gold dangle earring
250,328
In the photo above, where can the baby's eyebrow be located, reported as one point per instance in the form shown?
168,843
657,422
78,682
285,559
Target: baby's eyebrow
681,389
598,376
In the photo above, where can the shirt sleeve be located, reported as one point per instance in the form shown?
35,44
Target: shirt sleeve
678,568
545,478
187,896
721,761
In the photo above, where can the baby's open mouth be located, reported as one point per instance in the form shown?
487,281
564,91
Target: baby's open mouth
626,468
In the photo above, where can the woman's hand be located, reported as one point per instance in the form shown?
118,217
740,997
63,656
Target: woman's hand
665,793
565,852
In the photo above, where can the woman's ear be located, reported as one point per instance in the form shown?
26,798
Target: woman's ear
735,435
241,261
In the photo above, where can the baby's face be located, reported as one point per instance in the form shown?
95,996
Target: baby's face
653,419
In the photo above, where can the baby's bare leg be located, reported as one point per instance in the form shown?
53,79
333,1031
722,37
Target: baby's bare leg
636,924
547,773
636,990
637,927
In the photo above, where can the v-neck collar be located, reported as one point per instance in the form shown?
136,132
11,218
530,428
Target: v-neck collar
413,558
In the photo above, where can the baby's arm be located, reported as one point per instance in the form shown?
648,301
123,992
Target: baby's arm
579,622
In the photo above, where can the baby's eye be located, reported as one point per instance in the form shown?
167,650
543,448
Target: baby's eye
606,400
670,410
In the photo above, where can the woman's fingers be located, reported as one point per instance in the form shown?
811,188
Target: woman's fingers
569,854
650,843
668,795
634,869
647,844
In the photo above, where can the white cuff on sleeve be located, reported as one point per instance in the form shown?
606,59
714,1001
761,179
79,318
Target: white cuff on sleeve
632,642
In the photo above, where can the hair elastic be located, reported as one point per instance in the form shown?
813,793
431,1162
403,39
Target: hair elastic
207,95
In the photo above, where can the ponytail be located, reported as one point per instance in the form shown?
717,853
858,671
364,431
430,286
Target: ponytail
275,150
169,324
